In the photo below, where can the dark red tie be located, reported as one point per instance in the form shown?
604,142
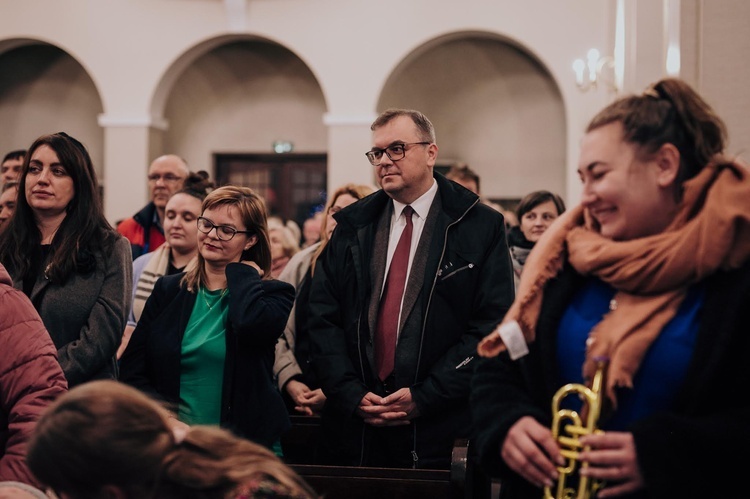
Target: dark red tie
386,331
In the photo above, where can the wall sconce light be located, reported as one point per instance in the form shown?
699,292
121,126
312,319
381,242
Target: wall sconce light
282,146
589,72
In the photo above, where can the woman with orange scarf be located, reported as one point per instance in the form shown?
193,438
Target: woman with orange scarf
651,272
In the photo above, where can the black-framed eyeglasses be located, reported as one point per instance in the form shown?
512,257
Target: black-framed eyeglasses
394,152
223,232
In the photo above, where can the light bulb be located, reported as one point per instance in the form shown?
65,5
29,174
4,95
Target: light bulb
579,66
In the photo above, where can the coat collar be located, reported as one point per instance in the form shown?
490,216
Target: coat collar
456,202
145,217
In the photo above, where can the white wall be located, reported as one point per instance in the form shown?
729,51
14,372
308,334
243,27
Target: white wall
142,59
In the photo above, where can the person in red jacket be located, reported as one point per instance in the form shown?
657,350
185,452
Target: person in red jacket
144,230
30,378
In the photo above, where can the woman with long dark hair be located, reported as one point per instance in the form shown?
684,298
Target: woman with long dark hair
61,251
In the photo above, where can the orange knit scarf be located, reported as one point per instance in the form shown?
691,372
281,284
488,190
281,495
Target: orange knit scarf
711,231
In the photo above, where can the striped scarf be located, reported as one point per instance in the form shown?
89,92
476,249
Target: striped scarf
155,268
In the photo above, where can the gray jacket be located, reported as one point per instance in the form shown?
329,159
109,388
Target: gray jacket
86,315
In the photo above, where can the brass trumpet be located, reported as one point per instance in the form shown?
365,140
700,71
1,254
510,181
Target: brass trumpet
567,427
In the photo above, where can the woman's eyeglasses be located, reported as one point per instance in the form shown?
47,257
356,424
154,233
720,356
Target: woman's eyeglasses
223,232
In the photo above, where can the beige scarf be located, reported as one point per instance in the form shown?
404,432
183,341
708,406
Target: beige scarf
711,231
154,269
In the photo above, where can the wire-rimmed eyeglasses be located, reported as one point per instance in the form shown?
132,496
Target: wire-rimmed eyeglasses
168,178
223,232
394,152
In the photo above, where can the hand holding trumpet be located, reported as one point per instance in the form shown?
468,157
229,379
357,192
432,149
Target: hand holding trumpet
612,457
530,450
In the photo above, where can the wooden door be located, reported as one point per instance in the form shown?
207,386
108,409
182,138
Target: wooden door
293,185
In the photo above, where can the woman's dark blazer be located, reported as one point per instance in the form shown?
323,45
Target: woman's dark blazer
251,405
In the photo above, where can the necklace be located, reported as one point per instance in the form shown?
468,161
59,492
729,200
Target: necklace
205,298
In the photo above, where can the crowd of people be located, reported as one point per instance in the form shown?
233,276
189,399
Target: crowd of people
165,357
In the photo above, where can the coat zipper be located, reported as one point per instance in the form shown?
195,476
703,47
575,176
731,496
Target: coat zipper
415,457
470,266
360,351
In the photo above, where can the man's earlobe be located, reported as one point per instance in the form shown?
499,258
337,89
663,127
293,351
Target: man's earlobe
432,151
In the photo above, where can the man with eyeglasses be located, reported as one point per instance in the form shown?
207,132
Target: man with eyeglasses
395,319
166,175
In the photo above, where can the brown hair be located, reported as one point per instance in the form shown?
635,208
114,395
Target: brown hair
252,210
424,126
357,191
17,154
105,433
461,171
10,184
669,111
534,199
197,184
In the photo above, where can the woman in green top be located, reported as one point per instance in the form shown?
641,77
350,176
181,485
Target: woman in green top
205,341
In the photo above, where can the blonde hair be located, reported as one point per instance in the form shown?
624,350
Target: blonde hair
252,210
357,191
289,241
105,433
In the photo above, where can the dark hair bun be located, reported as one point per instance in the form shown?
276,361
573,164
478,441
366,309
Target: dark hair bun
198,184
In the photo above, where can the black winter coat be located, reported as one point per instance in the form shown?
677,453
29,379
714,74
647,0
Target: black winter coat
468,287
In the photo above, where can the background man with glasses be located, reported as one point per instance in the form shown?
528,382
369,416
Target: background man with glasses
166,175
398,378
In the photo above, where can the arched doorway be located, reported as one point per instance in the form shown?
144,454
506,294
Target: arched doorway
494,107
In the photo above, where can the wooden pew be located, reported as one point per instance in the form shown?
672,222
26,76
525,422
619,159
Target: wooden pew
463,481
345,482
299,443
